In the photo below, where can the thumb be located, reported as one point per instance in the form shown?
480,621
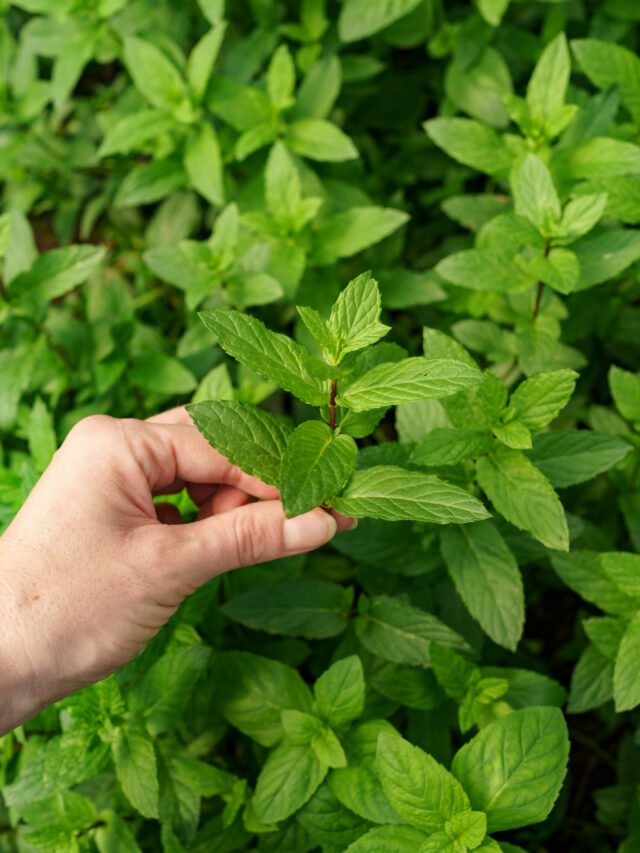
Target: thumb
255,533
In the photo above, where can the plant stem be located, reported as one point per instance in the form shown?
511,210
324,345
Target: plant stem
536,304
332,404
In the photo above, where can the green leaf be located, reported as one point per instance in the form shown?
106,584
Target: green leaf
202,59
409,380
560,269
53,274
317,327
328,750
582,214
513,434
132,131
610,65
401,633
548,84
361,18
407,685
282,186
355,316
453,673
252,691
480,89
340,692
249,437
274,356
487,578
524,496
153,74
290,776
493,10
420,789
41,434
161,374
468,828
150,182
203,163
450,446
624,571
114,836
514,768
389,839
300,728
162,693
135,762
583,572
471,143
605,255
534,194
357,786
313,609
393,494
591,681
329,822
486,269
625,390
626,684
347,233
320,140
571,456
281,78
316,466
538,401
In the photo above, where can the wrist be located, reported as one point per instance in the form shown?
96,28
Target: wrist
25,677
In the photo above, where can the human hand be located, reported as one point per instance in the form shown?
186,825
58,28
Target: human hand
91,568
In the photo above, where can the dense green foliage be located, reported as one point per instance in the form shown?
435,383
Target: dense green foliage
475,401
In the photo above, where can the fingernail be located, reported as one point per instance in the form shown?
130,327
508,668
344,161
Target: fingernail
308,531
353,525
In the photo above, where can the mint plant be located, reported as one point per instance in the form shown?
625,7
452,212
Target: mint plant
474,401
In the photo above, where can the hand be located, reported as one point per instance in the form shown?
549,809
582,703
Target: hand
91,568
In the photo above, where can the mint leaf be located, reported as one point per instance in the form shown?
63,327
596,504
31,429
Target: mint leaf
281,78
514,768
420,789
610,66
401,633
591,681
524,496
347,233
624,571
135,762
272,355
355,316
252,691
471,143
538,400
486,269
389,839
407,381
450,446
391,493
203,164
249,437
625,390
312,609
357,786
359,18
328,750
548,84
315,466
328,821
535,196
53,274
340,692
584,572
154,75
289,777
487,578
161,374
567,457
320,140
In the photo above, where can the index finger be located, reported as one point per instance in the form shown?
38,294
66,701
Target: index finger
177,415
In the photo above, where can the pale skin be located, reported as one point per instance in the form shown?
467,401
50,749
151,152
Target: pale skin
91,568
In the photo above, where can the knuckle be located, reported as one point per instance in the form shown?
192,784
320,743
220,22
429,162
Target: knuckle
253,540
91,426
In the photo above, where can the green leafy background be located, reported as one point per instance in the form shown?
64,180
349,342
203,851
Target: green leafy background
409,688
